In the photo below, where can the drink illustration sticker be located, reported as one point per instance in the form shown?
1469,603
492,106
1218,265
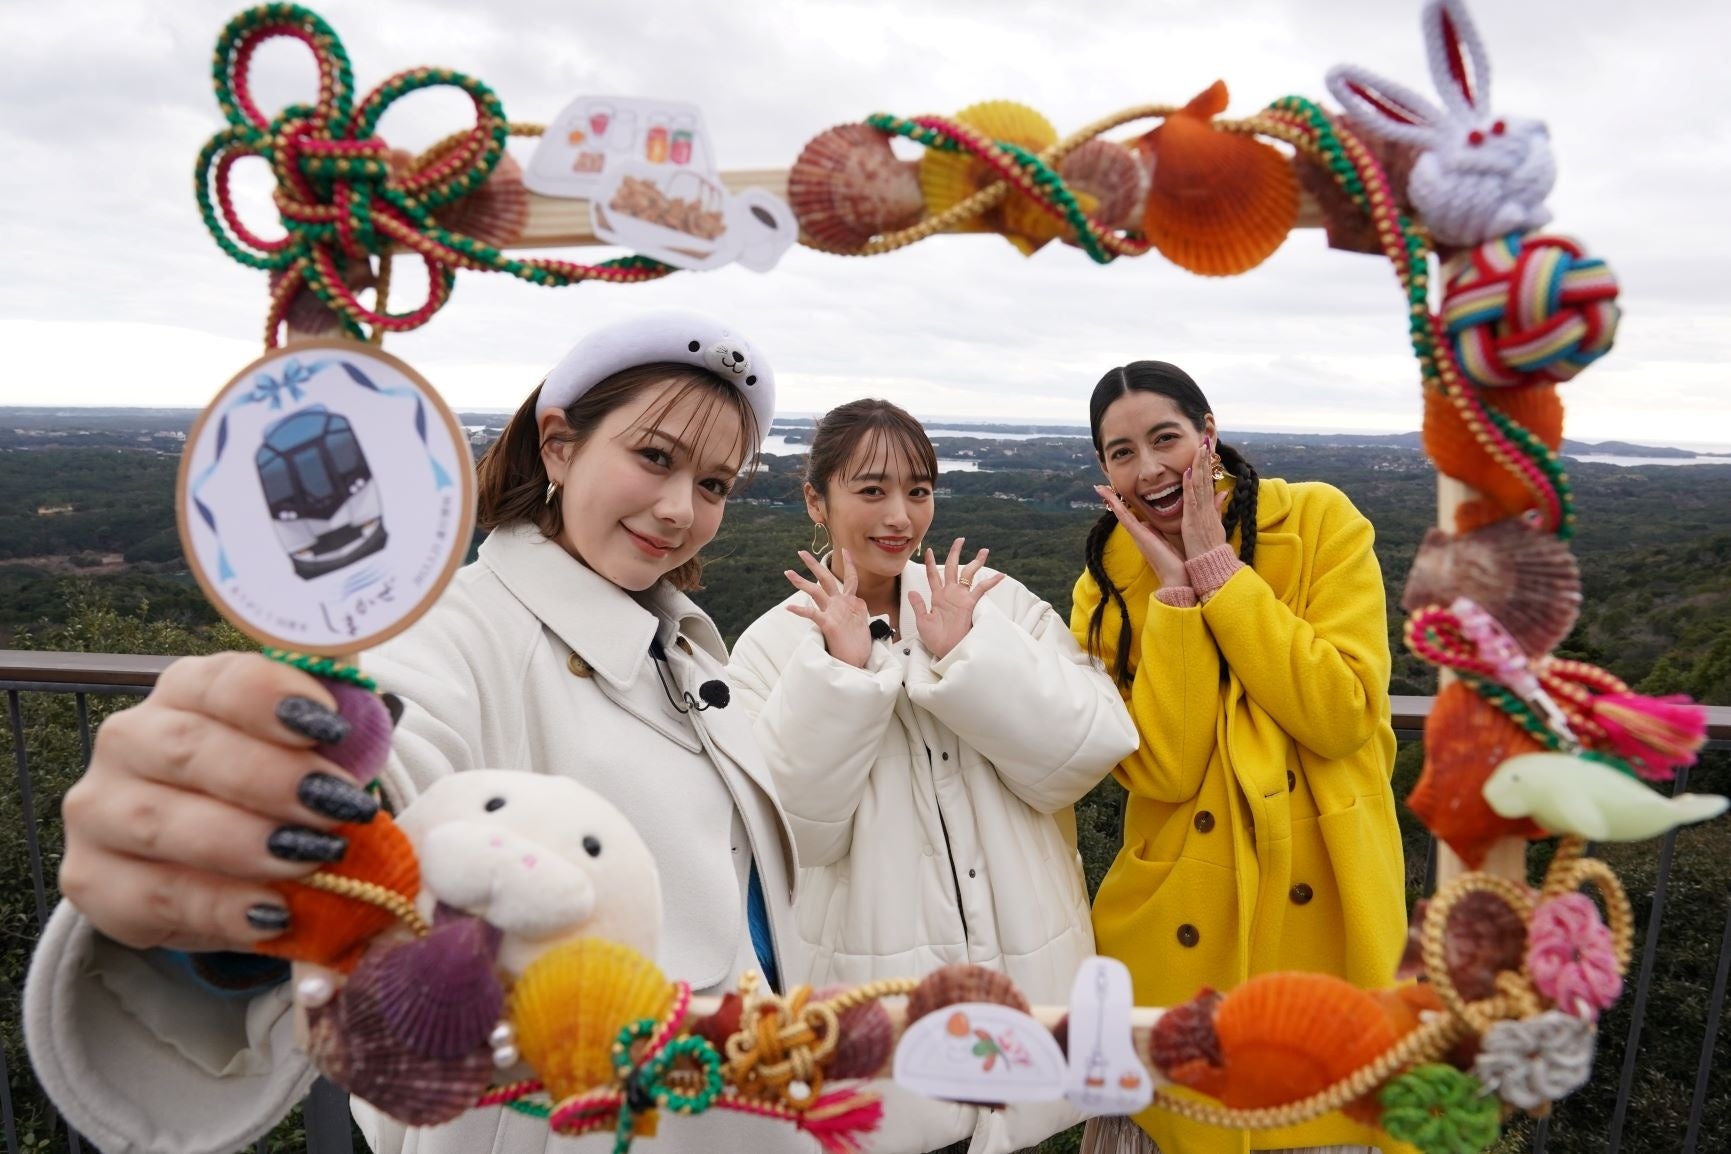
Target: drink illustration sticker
980,1052
325,497
1105,1075
596,134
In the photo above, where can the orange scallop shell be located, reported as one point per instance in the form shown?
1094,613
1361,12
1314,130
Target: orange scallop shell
1451,446
1287,1036
497,212
948,178
1218,203
330,930
1465,739
847,186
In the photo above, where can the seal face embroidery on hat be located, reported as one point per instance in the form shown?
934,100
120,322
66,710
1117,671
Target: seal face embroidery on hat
727,359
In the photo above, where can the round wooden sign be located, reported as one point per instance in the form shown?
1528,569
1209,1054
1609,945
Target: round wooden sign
325,498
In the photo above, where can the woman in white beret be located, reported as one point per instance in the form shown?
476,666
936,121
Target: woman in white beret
568,647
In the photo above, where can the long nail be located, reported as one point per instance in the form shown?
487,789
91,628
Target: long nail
266,916
393,705
310,719
297,843
326,794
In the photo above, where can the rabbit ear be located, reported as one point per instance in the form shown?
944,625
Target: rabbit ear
1385,109
1458,64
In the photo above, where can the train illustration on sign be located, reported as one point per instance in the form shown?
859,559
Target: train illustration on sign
324,503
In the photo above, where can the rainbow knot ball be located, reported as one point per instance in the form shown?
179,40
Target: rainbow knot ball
1527,311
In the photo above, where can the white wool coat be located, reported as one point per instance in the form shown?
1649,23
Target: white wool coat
529,661
931,803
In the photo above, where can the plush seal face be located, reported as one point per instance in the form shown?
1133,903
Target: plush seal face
727,359
542,858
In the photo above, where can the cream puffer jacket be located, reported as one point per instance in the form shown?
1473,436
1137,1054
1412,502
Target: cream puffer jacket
931,801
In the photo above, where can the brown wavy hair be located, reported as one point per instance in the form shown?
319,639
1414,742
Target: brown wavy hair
511,480
883,427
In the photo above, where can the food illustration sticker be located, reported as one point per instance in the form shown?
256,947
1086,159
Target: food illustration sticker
325,497
1105,1075
980,1052
594,135
691,221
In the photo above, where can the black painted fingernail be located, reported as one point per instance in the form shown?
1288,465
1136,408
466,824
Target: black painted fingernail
297,843
394,705
335,798
310,719
265,916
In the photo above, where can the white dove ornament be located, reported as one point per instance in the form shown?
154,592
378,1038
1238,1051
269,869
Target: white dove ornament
1570,795
541,858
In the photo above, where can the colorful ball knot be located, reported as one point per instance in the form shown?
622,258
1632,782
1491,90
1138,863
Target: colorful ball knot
1533,310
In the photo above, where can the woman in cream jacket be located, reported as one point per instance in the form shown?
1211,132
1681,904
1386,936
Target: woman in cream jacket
928,765
568,647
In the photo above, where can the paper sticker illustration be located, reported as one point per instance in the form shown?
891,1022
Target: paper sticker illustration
323,501
980,1052
1105,1075
325,497
691,221
596,134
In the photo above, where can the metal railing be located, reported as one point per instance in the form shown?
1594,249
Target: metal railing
83,675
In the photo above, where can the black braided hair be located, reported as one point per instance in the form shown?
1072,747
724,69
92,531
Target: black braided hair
1095,556
1175,385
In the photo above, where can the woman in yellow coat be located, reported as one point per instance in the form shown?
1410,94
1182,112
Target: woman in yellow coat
1244,621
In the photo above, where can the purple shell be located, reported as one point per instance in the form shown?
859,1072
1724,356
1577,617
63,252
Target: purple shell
867,1037
352,1045
364,750
439,994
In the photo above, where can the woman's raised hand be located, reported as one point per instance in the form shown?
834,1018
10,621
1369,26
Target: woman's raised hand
1161,555
201,794
837,609
1203,527
954,594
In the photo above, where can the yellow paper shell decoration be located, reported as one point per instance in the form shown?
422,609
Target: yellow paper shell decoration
1218,203
570,1004
948,178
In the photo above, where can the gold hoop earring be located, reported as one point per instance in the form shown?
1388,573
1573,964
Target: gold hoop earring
552,492
815,549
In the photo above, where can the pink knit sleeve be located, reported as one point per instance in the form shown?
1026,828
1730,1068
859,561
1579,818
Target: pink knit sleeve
1212,570
1177,596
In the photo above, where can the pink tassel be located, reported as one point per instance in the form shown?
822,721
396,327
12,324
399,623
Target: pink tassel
839,1119
1654,734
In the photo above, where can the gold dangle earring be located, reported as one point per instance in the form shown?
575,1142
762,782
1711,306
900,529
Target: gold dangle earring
816,549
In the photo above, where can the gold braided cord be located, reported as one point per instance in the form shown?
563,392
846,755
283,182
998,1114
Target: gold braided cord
374,895
381,295
1423,1044
781,1041
1478,1015
870,992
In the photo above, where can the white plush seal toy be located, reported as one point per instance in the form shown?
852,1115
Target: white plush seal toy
540,858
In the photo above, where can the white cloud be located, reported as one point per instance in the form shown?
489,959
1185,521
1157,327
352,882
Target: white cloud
112,293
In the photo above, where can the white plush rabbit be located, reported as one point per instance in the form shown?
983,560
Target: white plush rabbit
1479,176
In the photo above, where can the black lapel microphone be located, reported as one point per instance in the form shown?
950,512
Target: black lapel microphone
712,694
880,629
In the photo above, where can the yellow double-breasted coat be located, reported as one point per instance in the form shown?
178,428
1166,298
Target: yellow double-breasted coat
1260,830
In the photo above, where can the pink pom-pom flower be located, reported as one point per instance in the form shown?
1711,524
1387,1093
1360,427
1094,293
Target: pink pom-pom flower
1571,958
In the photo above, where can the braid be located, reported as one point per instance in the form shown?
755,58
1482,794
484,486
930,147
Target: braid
1241,510
1095,556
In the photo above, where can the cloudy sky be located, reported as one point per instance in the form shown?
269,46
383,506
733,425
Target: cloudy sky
112,293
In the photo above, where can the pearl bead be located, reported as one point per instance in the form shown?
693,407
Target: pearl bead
315,991
505,1057
502,1035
